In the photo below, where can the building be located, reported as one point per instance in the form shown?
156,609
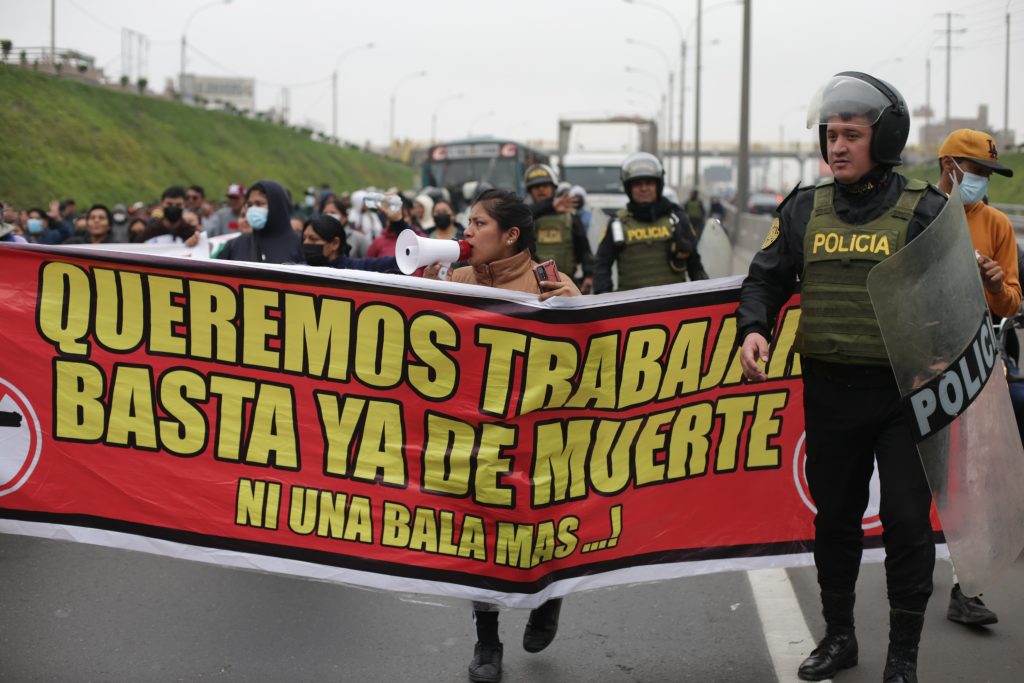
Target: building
238,92
931,135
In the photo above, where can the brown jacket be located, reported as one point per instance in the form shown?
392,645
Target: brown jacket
514,272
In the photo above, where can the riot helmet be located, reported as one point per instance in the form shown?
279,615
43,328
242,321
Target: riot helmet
852,93
642,166
540,174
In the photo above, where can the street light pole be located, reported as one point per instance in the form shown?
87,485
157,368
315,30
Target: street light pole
334,86
477,120
668,109
682,78
433,117
394,94
181,72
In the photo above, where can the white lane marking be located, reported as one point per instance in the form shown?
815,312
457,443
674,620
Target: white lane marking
785,630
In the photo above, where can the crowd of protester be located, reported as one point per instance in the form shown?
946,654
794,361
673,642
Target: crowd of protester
323,227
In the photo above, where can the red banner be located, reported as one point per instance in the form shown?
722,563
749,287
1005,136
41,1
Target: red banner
392,432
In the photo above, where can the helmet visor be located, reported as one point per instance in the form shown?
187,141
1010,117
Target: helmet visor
843,98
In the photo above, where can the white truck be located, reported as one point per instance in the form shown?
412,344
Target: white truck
591,152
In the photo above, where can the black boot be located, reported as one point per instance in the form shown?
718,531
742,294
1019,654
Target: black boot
486,664
969,611
904,636
838,649
542,626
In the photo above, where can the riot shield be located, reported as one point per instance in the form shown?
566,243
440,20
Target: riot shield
931,308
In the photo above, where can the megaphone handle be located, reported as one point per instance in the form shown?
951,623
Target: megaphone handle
442,272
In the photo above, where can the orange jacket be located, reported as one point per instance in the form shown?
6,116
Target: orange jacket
993,236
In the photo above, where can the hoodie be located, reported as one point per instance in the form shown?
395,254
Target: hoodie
276,242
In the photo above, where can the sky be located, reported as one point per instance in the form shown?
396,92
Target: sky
514,68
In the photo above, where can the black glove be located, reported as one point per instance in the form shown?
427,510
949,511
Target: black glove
683,244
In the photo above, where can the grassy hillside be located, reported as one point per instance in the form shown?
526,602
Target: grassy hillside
65,139
1001,190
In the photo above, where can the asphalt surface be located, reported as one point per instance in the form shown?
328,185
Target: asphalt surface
72,612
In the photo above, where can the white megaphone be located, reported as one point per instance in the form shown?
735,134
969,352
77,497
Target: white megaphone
413,251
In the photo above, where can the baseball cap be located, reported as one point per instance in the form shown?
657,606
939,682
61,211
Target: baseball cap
236,190
975,145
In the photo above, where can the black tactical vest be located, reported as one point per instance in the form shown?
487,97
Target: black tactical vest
644,258
837,321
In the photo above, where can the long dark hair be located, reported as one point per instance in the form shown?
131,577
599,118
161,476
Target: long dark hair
510,212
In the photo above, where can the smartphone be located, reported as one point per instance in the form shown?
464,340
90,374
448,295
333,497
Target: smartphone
546,271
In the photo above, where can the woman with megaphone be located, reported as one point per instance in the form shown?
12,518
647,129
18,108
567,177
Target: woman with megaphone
502,236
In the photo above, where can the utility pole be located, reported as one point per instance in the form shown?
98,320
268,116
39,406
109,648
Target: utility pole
1006,82
743,160
696,101
928,93
334,103
682,101
949,52
53,32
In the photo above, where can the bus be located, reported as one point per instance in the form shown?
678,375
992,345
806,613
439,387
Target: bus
500,163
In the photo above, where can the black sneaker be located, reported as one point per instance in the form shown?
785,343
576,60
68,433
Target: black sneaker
486,664
542,626
967,610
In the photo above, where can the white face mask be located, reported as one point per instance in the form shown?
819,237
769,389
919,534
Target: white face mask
973,187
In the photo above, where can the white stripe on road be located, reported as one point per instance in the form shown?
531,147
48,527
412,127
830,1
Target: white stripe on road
785,630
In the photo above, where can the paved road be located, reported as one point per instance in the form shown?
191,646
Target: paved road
78,613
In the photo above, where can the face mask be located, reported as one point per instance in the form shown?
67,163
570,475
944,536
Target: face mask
310,200
973,187
119,218
257,217
35,225
442,220
172,213
314,254
335,216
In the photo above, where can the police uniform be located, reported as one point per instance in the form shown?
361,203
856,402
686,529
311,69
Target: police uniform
644,256
561,238
828,237
653,243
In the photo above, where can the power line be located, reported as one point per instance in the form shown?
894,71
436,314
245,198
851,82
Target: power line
116,29
274,84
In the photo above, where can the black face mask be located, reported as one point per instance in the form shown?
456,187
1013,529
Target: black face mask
172,213
443,220
314,254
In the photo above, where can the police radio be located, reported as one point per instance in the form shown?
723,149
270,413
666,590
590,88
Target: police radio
618,237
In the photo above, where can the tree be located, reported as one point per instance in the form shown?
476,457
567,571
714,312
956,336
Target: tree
82,68
23,57
142,83
125,81
5,47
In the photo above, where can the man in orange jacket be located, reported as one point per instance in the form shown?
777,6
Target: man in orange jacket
970,156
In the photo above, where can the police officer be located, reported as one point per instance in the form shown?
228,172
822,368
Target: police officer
851,401
695,210
561,236
652,239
